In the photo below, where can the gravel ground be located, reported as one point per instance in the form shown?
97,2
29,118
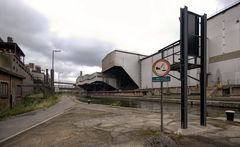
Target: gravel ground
103,126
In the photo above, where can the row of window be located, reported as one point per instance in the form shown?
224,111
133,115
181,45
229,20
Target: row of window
3,89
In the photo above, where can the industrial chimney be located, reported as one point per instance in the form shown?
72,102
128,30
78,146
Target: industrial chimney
9,39
80,73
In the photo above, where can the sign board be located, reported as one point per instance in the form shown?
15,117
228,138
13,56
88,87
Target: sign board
193,42
161,79
161,67
193,33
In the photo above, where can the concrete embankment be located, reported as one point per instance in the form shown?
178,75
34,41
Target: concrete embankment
112,126
227,102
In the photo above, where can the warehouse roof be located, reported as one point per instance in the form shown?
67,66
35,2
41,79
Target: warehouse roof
225,9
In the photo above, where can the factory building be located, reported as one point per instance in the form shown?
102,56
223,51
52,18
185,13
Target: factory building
127,71
124,67
13,74
36,72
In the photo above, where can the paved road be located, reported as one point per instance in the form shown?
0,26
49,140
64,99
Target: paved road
109,126
15,125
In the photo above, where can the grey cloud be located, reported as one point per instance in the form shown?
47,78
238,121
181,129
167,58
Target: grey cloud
27,27
31,31
19,17
78,51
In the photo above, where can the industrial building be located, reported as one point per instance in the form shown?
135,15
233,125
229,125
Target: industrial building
36,72
131,71
13,74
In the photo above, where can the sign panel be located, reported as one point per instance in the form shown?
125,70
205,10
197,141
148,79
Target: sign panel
193,33
161,67
161,79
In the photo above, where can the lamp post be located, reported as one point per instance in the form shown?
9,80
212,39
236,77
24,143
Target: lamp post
59,78
53,57
52,71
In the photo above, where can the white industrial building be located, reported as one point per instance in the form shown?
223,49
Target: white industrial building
127,71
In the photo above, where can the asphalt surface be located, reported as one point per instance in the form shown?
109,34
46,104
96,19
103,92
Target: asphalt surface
20,123
103,126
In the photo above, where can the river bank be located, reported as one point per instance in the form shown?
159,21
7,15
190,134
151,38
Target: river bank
227,102
104,125
28,104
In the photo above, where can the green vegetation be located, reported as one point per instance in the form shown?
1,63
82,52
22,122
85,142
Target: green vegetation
116,103
29,103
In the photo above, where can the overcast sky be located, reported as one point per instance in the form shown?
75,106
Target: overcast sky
86,30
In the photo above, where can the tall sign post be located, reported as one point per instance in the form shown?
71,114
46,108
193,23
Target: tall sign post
203,74
193,49
193,44
161,68
184,67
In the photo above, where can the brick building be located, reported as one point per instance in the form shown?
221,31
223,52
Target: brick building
13,74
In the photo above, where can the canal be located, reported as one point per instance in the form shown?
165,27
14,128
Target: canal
155,106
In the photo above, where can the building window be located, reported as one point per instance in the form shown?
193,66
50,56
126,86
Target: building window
3,89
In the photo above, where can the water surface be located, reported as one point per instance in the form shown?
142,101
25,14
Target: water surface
167,107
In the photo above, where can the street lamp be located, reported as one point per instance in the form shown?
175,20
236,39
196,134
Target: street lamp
53,57
52,71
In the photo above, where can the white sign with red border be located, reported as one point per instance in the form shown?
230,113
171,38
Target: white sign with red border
161,67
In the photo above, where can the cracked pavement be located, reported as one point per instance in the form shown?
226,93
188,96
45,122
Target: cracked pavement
103,125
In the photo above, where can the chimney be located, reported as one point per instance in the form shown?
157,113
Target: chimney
80,73
31,65
47,76
1,39
9,39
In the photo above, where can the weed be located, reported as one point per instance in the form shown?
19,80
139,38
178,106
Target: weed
29,103
117,103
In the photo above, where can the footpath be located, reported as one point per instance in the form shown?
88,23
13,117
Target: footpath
21,123
94,125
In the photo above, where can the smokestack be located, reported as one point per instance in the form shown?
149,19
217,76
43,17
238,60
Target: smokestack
47,76
9,39
80,73
1,39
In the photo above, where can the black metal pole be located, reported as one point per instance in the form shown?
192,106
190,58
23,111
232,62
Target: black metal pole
53,60
52,73
184,65
161,106
162,99
47,77
203,75
52,81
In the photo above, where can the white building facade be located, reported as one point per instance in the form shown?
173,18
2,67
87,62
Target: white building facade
223,57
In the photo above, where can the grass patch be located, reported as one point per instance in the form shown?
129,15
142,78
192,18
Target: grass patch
29,103
117,103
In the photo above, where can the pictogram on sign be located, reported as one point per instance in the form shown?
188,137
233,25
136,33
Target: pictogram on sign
161,67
